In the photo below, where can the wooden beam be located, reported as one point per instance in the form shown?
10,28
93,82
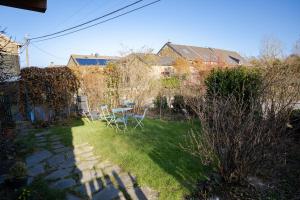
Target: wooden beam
34,5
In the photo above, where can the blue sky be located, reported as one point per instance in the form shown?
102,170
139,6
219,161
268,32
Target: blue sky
229,24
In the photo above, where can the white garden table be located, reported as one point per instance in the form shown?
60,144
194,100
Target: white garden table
123,111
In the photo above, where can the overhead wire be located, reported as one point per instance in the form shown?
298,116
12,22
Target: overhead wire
76,12
46,52
90,21
101,22
107,6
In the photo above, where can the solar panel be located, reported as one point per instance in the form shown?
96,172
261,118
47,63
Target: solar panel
85,61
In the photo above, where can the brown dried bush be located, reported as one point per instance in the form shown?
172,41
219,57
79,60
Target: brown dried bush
240,140
54,88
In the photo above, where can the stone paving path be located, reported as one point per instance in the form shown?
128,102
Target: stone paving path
82,174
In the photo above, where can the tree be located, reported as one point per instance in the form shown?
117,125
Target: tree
182,66
271,49
137,81
296,49
112,79
92,84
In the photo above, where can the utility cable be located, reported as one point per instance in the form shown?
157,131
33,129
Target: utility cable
79,25
101,22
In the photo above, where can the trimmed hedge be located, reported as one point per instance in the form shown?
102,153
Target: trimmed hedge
242,83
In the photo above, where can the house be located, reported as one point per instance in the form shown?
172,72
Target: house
206,55
9,58
93,60
9,76
161,66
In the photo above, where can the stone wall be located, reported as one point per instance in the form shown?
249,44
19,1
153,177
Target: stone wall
9,57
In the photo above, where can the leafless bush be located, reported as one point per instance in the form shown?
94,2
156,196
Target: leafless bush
242,139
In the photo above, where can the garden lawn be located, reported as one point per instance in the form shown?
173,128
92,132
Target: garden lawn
153,154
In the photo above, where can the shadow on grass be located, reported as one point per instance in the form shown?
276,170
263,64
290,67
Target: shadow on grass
161,140
158,141
92,181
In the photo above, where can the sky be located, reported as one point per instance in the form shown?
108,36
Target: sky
238,25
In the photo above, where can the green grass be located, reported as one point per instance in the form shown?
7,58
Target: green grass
152,154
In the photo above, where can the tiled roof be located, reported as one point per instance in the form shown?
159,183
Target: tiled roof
207,54
153,59
5,37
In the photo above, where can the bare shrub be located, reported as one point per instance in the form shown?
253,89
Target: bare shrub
239,140
131,78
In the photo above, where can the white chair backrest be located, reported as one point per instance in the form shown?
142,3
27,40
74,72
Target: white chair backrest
104,109
145,111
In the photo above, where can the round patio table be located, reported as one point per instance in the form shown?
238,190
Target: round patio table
123,111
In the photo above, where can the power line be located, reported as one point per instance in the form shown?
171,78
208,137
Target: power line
46,52
75,13
107,6
79,25
23,47
104,21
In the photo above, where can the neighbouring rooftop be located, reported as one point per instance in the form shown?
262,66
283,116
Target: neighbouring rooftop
206,54
90,60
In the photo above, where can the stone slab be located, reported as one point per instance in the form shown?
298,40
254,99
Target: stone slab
103,164
29,180
56,160
37,157
112,170
63,149
3,177
81,145
53,137
85,165
64,184
143,193
40,140
58,146
42,133
41,144
91,158
60,173
66,164
55,140
82,157
56,143
125,180
89,188
90,175
72,197
80,151
36,170
109,192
